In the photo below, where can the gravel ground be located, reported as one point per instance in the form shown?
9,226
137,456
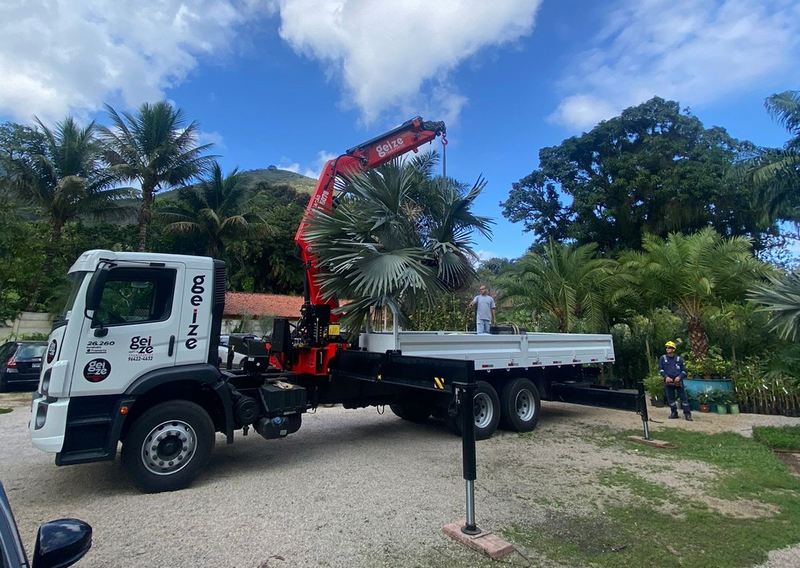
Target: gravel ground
351,488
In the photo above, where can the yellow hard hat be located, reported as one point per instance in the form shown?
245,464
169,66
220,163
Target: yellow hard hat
670,344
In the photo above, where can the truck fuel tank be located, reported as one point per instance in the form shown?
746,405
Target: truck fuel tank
279,426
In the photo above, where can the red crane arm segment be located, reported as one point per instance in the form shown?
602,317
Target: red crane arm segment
405,138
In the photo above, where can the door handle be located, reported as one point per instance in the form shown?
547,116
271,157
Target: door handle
171,346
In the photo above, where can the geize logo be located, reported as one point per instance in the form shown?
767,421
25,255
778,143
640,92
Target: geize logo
141,348
384,149
97,370
197,290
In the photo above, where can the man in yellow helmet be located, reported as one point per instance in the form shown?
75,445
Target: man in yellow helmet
672,368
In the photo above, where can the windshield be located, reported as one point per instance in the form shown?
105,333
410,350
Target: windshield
30,351
75,281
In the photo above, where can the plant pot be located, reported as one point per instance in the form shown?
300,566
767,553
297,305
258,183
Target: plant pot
704,408
657,402
722,409
733,408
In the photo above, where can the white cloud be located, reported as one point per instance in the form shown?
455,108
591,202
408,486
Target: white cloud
212,137
68,56
311,170
484,255
693,52
396,55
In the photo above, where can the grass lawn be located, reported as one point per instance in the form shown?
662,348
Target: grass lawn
657,528
779,438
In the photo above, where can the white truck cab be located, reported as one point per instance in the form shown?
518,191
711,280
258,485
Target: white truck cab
133,321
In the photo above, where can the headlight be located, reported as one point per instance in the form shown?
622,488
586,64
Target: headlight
41,416
45,382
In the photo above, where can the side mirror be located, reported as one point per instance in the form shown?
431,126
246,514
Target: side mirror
61,543
94,292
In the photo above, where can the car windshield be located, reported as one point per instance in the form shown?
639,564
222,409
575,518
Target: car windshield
75,280
30,351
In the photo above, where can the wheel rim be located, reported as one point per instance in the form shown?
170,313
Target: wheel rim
525,406
483,409
169,447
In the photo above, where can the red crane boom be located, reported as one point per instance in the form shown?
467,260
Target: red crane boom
317,323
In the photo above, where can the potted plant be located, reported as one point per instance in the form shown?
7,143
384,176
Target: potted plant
654,386
720,400
733,404
704,399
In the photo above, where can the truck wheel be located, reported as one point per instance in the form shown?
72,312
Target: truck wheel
485,408
168,446
520,404
411,412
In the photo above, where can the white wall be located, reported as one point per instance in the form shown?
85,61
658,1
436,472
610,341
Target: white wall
27,323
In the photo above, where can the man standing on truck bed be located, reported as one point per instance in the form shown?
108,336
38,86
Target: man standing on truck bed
485,311
671,367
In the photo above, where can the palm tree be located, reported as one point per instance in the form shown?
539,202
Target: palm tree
775,173
155,147
212,210
782,300
381,248
568,283
689,273
65,178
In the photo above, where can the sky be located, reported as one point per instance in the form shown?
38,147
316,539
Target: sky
293,83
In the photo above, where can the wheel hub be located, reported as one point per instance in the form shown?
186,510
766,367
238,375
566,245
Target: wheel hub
169,447
483,410
524,405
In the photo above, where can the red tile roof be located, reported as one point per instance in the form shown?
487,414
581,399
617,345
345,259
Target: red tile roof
246,304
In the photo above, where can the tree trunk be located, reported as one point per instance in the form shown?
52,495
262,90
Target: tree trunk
47,268
697,338
145,214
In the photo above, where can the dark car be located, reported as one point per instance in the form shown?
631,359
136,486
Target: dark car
20,364
59,543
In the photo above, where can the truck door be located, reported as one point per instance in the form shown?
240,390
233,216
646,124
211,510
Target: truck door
133,331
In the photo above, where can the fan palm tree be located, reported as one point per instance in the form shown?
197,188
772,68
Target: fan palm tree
689,273
156,148
782,300
380,247
568,283
212,210
65,178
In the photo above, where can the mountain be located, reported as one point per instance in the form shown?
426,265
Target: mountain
272,176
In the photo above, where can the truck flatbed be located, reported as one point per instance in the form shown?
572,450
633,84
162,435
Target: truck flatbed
491,352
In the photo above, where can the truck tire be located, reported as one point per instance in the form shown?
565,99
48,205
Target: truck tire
168,446
520,404
412,412
485,408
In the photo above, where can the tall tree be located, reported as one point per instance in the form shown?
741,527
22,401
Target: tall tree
267,261
64,177
213,210
690,273
380,247
157,148
570,284
653,169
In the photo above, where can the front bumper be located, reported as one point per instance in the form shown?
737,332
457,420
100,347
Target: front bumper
50,415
